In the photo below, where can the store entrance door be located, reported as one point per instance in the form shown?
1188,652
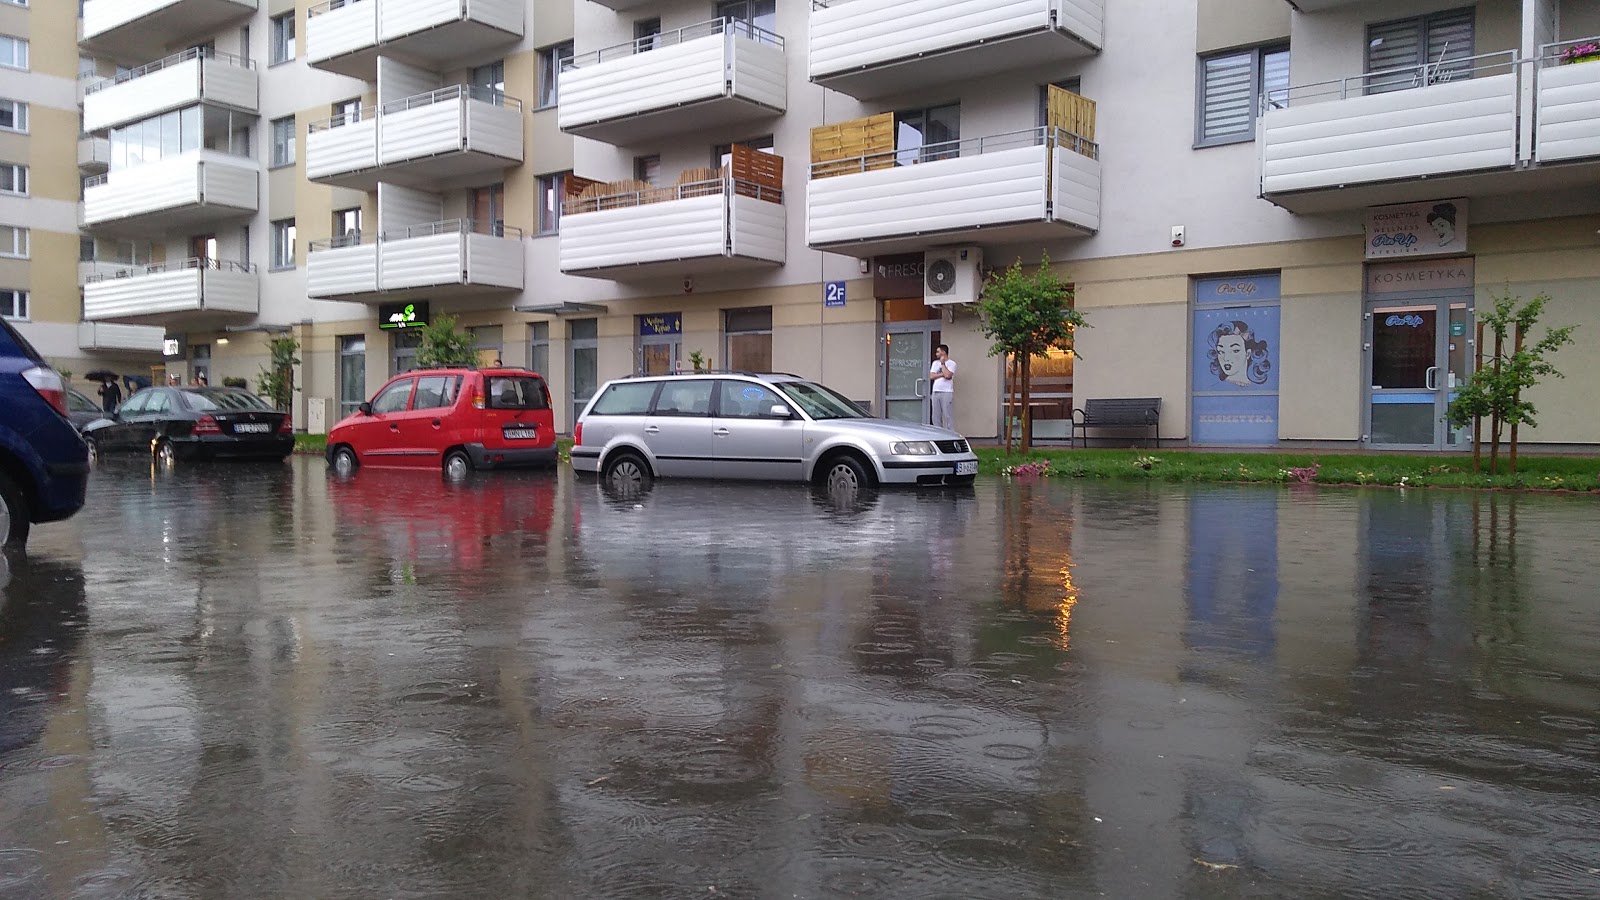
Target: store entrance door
907,357
1418,352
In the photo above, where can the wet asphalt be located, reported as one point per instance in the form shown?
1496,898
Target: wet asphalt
258,681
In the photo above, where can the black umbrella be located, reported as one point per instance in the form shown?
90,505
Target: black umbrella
102,375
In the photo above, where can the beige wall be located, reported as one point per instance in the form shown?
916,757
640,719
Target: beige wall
53,277
1224,24
52,153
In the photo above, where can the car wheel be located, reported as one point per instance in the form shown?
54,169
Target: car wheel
14,518
94,451
345,462
165,455
626,469
845,473
457,465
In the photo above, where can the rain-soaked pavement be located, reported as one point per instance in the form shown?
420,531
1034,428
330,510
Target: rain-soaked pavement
257,682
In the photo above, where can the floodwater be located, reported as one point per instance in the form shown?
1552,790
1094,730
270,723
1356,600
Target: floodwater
236,681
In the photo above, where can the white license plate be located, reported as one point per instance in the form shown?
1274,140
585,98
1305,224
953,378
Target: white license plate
252,428
521,434
966,468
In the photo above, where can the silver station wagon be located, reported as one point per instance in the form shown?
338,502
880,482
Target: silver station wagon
764,427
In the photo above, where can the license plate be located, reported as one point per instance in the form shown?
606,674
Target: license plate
966,468
252,428
521,434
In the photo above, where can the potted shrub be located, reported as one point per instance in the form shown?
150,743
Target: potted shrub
1587,51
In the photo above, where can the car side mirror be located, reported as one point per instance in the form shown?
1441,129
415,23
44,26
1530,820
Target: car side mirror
365,408
779,411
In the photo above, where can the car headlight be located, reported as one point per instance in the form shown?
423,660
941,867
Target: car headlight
912,448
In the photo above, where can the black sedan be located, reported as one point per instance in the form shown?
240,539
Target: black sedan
82,411
173,423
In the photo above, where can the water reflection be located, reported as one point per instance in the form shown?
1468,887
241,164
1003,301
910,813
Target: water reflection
270,681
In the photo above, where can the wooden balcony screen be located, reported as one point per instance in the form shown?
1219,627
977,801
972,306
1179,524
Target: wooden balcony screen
1071,113
859,145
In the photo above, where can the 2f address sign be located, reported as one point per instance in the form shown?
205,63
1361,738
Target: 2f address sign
833,293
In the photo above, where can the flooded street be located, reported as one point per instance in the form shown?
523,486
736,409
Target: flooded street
237,681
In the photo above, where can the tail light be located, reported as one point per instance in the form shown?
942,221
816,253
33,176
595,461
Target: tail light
478,401
577,435
207,425
49,385
287,425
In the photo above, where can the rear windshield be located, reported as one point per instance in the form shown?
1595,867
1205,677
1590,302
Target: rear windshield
20,341
211,401
517,392
626,398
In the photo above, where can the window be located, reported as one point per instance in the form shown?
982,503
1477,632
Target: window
748,345
282,39
763,14
149,140
352,373
22,3
13,304
552,191
925,135
647,169
14,241
551,59
13,115
539,346
283,244
347,226
1232,88
685,398
13,52
489,210
646,34
13,178
346,112
283,143
393,398
1416,52
518,392
436,391
722,153
85,249
626,399
491,76
1071,85
746,400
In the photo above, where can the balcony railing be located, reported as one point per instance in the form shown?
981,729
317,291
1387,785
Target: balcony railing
460,253
193,262
674,37
627,197
167,63
198,285
926,153
452,226
453,92
1388,81
353,117
1568,94
344,36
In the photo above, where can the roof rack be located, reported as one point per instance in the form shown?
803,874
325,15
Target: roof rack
693,372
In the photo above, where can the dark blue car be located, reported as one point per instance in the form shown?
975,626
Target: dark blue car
44,465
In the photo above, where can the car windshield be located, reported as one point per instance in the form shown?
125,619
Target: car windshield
224,400
79,403
516,392
821,402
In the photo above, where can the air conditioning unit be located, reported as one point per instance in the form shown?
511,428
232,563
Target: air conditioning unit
952,275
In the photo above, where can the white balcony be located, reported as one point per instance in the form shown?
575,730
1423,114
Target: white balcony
448,133
183,79
1035,185
94,153
142,29
439,259
189,291
98,269
1448,131
703,76
112,336
343,150
872,48
344,36
189,189
1568,105
723,225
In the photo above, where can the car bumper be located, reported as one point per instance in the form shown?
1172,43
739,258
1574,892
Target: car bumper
486,458
63,493
212,446
924,470
586,459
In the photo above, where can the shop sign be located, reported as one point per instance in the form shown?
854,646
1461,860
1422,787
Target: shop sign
174,347
399,316
1233,381
1236,290
1417,229
661,323
1422,275
833,293
898,277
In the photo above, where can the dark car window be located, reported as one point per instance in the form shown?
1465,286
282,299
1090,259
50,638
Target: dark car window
159,403
747,400
213,401
685,398
393,398
517,392
627,398
436,391
78,403
136,403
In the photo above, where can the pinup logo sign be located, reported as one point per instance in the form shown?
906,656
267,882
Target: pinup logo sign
1233,378
1435,227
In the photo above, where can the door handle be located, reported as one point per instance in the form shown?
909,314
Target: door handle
721,432
393,427
920,394
652,429
1430,379
436,423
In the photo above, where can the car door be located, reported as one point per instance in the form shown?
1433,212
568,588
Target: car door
117,436
155,419
379,435
678,430
423,428
752,443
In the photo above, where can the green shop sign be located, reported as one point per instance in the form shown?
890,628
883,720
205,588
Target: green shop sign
396,316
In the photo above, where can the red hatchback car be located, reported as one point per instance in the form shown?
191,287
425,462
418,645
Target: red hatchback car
457,419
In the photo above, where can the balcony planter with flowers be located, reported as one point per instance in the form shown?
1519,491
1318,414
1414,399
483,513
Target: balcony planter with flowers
1588,51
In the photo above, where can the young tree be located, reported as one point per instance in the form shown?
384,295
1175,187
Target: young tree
276,381
1494,391
1025,314
443,345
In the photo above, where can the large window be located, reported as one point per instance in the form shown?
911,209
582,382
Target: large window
283,244
14,241
163,136
1233,87
539,347
13,178
552,191
1420,51
283,143
924,135
748,339
347,225
762,14
551,60
346,112
282,39
13,52
352,373
647,169
13,115
491,76
13,304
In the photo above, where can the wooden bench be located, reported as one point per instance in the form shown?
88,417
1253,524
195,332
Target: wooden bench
1125,412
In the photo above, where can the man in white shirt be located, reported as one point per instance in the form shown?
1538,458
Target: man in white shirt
943,376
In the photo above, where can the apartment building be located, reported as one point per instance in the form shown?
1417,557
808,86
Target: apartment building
1280,216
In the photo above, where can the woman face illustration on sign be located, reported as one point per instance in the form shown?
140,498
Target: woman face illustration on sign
1443,222
1237,356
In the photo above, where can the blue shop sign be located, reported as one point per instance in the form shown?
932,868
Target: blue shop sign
662,323
1236,289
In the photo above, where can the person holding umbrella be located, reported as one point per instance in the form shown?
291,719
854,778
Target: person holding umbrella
110,393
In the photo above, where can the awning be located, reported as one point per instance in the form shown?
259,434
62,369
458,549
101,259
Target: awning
567,308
